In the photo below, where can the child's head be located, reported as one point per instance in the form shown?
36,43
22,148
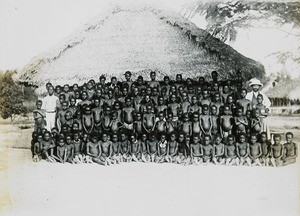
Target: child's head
205,93
114,115
195,139
128,101
61,98
225,88
138,116
84,95
205,109
218,139
259,98
207,139
180,137
152,136
153,75
226,110
75,126
40,137
39,104
94,137
123,136
132,137
242,137
87,109
184,96
173,98
243,92
187,139
149,108
186,117
162,137
66,88
114,137
253,138
124,91
64,105
72,101
230,139
68,115
263,137
161,115
239,111
117,105
229,99
96,102
194,100
154,91
68,139
57,89
47,136
173,136
85,137
160,100
75,87
213,110
144,137
76,136
217,97
248,114
289,137
195,117
61,141
166,79
104,136
277,138
256,113
216,86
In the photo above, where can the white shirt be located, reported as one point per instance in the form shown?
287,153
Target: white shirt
266,100
50,103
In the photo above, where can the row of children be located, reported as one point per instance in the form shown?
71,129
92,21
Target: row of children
173,148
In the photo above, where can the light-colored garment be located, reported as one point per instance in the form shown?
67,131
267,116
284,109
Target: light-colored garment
253,95
49,105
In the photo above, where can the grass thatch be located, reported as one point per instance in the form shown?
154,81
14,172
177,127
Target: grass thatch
285,89
138,40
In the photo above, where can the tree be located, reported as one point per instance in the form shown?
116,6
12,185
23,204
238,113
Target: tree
11,97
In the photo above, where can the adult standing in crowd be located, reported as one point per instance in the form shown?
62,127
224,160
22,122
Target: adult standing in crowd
255,85
50,103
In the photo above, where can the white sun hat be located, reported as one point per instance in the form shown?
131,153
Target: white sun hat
255,81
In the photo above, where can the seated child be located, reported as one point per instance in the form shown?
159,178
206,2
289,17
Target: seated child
230,151
144,146
39,116
61,150
69,149
265,149
291,149
116,149
124,143
135,148
219,150
152,147
37,148
254,150
106,149
162,149
196,150
94,150
277,151
77,143
47,147
207,149
172,148
242,150
182,150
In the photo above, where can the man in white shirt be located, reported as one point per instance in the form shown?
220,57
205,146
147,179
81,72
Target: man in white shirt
50,103
255,84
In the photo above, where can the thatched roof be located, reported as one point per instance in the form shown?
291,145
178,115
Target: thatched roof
138,40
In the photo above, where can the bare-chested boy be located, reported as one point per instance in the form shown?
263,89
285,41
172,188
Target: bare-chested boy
161,125
115,123
217,102
186,126
243,102
69,149
152,147
173,107
242,150
291,149
205,100
172,148
182,150
205,121
125,147
185,104
161,107
87,119
226,122
37,148
61,150
219,150
196,151
207,149
240,121
255,150
116,149
47,146
61,114
97,115
94,150
135,148
78,151
194,107
230,151
265,149
127,114
149,120
144,146
277,151
106,149
39,116
196,125
162,149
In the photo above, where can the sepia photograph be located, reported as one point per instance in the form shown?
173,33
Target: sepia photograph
149,107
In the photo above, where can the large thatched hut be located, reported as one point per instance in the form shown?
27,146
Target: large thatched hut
138,40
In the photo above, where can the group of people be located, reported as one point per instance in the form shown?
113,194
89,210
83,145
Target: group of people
174,121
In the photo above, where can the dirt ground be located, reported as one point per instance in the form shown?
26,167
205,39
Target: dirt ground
28,188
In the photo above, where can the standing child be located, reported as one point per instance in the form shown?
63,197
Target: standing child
194,107
87,119
138,124
291,149
226,122
127,115
205,121
243,102
186,126
97,114
115,123
215,124
240,121
39,116
149,120
161,125
196,125
255,125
